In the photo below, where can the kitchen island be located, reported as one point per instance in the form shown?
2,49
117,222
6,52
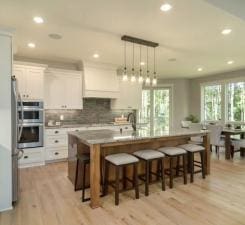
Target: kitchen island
100,143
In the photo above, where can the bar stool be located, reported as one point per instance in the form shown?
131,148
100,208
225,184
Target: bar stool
148,156
171,153
191,150
84,160
121,160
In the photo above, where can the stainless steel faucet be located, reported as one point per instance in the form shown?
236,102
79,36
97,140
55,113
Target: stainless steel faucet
132,119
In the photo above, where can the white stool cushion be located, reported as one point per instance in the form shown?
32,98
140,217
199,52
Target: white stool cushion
192,147
121,159
172,151
149,154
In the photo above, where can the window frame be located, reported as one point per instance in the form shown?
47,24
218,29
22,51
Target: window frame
170,87
224,99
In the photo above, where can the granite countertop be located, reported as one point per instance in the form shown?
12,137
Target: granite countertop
84,125
108,136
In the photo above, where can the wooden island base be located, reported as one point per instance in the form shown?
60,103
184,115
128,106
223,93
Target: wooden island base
99,151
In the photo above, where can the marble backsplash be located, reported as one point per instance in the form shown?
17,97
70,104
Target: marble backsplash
94,110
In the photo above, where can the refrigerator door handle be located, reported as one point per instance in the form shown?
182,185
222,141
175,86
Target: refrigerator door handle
22,117
20,155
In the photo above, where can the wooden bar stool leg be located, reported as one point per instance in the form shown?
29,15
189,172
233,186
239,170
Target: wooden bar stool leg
189,162
177,166
117,186
83,182
106,177
136,185
124,177
192,166
171,173
146,178
150,169
161,163
185,169
202,154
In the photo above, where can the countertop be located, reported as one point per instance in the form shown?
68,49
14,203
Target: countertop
109,136
85,125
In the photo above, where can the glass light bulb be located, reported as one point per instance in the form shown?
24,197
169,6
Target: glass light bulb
154,81
125,77
133,78
141,79
147,80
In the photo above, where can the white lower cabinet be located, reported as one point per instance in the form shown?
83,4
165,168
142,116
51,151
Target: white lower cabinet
56,140
32,157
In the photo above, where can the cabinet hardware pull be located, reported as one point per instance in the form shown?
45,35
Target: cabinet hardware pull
56,132
26,157
56,141
56,153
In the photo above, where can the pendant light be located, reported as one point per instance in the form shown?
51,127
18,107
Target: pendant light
133,78
125,76
140,75
154,81
147,80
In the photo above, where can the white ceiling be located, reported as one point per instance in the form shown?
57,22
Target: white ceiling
190,32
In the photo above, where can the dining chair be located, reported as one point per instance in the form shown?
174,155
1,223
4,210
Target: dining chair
215,137
238,146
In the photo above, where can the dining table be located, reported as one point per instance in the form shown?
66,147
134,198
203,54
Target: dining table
228,133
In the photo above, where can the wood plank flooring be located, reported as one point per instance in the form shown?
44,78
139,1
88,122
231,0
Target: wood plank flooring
47,198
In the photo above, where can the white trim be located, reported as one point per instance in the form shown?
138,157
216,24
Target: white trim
7,209
30,64
171,98
224,98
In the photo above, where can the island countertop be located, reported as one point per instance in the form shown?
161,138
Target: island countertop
99,143
106,136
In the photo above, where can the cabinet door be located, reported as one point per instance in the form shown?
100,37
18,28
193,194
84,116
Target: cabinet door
129,96
34,83
54,91
73,91
20,74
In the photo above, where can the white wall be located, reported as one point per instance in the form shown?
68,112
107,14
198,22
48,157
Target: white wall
181,92
195,88
5,122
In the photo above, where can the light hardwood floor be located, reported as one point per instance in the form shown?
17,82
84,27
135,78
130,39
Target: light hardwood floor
47,198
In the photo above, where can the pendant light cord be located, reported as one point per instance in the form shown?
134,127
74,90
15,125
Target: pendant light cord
154,62
125,52
140,62
133,59
147,61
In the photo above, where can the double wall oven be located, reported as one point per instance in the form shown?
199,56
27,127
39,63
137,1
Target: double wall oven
30,124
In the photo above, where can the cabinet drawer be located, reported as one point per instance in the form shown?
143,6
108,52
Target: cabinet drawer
56,154
56,132
56,141
31,157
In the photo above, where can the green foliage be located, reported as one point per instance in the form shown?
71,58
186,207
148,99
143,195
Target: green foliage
192,118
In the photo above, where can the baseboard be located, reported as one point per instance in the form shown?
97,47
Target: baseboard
6,209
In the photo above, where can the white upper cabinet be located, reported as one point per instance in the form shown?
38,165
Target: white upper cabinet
30,80
129,95
63,89
100,81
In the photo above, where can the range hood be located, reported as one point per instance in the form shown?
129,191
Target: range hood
100,81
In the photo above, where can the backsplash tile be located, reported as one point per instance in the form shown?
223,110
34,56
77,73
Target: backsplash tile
95,110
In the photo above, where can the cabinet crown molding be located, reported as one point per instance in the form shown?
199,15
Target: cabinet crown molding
30,64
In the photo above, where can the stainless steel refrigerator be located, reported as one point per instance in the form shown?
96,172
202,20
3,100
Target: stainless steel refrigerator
16,134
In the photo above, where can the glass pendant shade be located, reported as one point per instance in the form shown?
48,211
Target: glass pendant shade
133,78
154,81
141,79
125,76
147,80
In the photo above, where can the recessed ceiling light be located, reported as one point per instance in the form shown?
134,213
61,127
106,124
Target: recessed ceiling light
38,19
226,31
142,63
96,55
55,36
166,7
230,62
31,45
200,69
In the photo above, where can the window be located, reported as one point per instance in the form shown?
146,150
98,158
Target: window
212,102
156,108
236,102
